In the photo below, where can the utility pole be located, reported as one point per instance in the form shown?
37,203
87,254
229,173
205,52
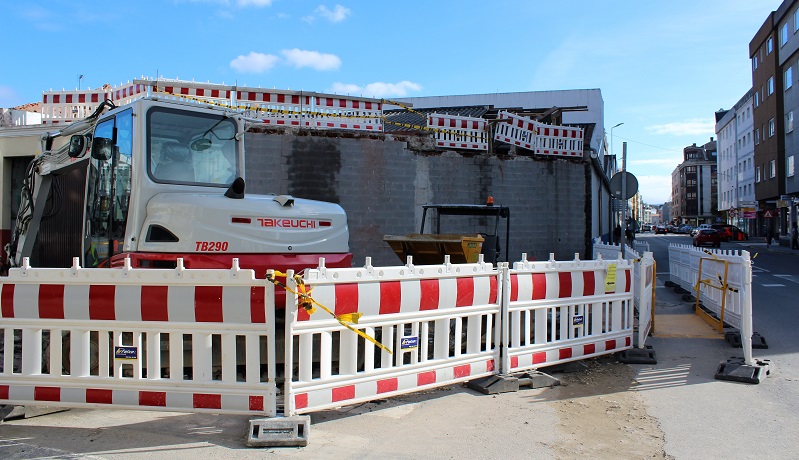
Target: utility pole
623,197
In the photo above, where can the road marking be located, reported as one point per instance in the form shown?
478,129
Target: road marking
773,285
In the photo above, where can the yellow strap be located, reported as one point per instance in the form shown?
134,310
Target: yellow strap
307,302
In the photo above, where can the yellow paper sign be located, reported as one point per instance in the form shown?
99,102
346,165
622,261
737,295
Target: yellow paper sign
610,279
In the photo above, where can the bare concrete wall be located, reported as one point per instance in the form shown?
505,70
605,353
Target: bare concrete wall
381,182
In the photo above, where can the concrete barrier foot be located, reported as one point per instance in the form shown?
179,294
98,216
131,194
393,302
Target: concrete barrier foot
736,370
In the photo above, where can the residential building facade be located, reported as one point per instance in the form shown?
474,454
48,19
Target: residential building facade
694,186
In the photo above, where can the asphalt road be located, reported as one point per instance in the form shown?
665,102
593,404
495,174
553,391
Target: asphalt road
675,408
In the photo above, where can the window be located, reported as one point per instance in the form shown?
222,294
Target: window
770,85
772,169
754,63
784,34
788,78
789,122
757,174
770,45
748,115
790,166
757,99
795,21
771,128
757,136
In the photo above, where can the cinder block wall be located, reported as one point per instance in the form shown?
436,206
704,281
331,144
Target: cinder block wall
382,181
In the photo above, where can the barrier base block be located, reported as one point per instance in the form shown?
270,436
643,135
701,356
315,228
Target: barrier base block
494,384
736,370
638,356
535,379
279,431
734,339
8,413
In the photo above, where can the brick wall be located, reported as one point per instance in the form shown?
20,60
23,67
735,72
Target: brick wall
381,182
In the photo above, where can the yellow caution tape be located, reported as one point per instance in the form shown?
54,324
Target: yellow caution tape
307,302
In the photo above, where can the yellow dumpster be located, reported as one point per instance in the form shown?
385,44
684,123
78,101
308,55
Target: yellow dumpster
428,249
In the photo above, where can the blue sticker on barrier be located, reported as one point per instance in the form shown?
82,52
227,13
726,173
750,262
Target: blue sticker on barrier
578,320
409,342
126,353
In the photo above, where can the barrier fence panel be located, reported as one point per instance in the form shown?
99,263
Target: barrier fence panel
439,321
519,131
567,311
156,339
459,131
344,112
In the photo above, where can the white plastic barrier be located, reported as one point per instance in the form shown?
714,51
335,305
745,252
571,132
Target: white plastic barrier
684,270
684,263
458,131
176,340
440,321
644,280
566,311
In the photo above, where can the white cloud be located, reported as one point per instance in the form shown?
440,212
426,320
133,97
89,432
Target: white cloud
256,3
377,89
337,14
655,189
313,59
692,127
254,62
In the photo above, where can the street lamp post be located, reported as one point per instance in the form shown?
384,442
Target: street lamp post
611,135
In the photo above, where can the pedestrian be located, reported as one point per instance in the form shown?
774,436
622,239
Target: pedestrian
617,234
794,237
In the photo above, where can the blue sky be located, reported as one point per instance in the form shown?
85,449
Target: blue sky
664,67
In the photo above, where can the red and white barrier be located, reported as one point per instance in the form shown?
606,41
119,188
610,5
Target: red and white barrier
541,138
459,132
123,338
348,113
439,321
565,311
62,107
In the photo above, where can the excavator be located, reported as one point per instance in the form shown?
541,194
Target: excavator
159,180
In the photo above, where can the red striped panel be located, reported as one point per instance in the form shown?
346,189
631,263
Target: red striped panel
200,92
69,99
386,385
95,98
208,304
514,288
154,303
46,394
539,286
492,297
214,93
342,103
343,393
301,401
7,301
463,371
3,391
296,99
490,365
540,357
465,292
627,341
329,102
390,297
430,294
589,283
257,305
346,298
564,353
627,277
51,301
169,89
564,284
356,104
98,396
56,98
101,302
589,349
426,378
81,99
206,401
610,345
257,403
152,398
514,361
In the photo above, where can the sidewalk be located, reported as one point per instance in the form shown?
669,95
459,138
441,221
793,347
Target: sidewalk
759,244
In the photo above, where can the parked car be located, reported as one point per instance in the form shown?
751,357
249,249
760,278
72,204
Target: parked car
730,232
646,228
660,229
707,237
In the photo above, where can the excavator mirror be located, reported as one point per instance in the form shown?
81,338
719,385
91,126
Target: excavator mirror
102,148
77,144
201,144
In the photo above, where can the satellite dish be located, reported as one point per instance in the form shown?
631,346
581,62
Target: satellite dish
616,185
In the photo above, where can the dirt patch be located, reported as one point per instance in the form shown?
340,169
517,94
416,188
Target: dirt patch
601,416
